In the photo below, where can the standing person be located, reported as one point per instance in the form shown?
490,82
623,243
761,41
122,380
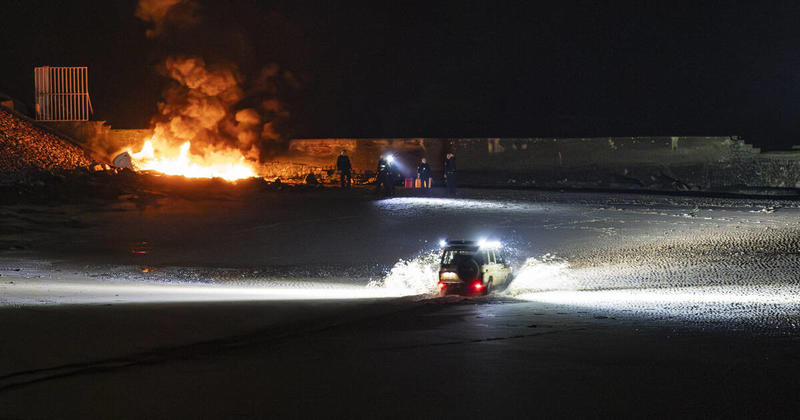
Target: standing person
385,174
450,172
345,169
424,174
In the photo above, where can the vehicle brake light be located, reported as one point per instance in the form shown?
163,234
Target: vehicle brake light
477,286
442,285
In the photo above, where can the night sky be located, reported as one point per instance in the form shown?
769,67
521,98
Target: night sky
457,69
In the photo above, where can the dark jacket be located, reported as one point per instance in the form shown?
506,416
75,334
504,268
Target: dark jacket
384,167
343,163
424,170
450,164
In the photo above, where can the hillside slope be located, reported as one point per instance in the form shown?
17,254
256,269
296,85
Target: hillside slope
23,145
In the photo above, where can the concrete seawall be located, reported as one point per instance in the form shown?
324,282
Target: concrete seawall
98,136
656,163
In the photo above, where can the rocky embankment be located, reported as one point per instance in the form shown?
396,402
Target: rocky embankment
25,146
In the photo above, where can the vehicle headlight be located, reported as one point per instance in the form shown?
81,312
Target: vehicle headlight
484,244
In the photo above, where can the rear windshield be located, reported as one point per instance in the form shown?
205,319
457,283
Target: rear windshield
455,256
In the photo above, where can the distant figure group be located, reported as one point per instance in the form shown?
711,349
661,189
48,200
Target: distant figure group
386,172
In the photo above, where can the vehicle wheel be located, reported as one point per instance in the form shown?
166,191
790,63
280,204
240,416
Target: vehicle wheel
509,279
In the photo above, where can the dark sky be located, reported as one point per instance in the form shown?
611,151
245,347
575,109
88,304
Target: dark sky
460,68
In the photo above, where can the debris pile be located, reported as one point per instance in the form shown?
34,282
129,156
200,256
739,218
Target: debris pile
85,186
23,145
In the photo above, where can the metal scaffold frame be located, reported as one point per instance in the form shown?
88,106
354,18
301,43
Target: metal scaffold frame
62,93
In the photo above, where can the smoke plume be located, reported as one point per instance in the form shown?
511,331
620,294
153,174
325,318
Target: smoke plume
205,104
162,13
214,105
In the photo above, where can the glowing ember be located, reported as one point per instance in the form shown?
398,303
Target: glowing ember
228,164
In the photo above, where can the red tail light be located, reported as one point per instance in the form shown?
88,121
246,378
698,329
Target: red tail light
442,285
478,286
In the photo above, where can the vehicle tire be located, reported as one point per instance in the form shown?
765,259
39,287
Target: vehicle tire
509,279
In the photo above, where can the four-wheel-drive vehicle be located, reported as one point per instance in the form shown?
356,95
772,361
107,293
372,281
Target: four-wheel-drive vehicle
472,268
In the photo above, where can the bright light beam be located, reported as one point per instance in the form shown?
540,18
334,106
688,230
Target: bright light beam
689,303
457,204
49,293
685,295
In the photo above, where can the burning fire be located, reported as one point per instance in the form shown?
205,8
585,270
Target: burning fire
233,120
228,164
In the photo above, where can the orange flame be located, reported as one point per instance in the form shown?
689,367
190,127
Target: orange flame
228,164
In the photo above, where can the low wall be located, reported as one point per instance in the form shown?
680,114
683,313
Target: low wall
533,153
98,136
662,163
778,169
363,153
658,163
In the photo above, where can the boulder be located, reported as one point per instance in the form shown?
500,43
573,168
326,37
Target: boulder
311,179
123,160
